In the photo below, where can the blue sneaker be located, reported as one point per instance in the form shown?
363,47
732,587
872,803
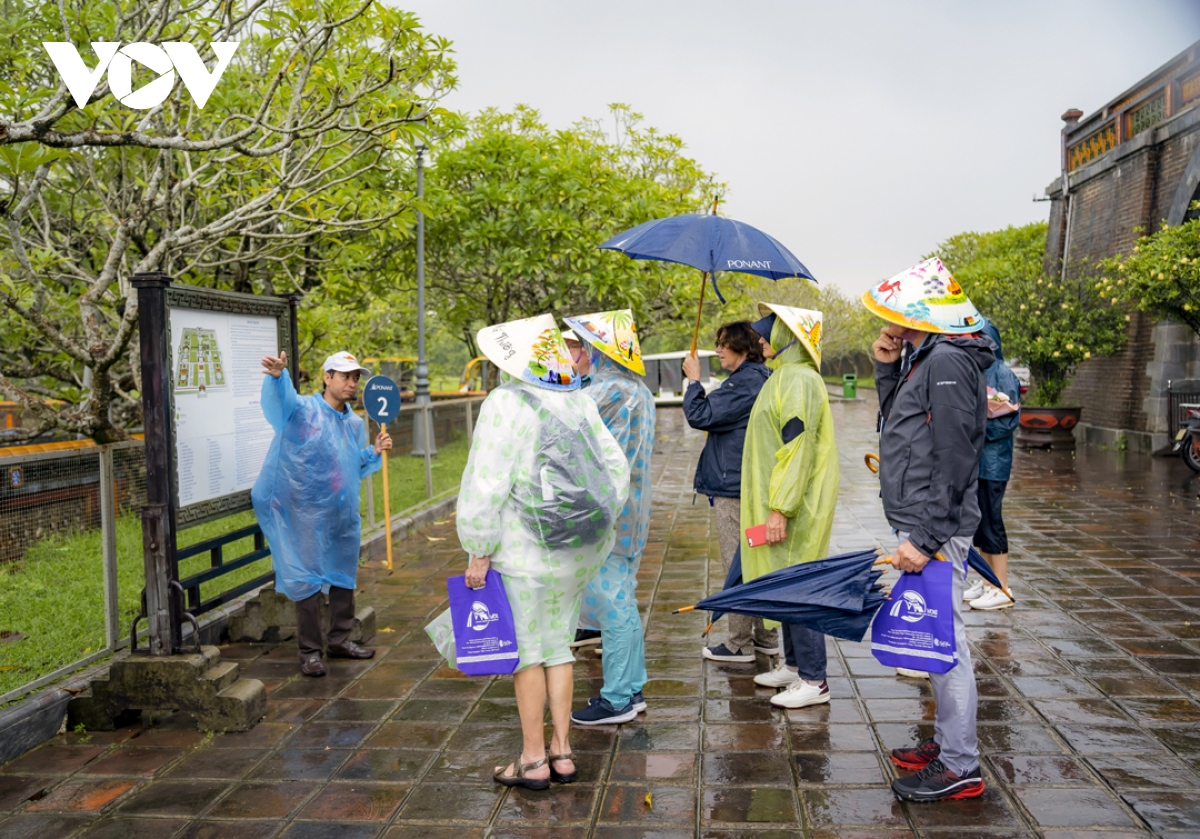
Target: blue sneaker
601,712
639,703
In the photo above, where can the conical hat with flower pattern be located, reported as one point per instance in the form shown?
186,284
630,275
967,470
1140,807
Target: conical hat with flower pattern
614,334
531,350
804,323
927,298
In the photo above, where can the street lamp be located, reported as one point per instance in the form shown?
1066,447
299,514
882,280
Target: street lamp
422,373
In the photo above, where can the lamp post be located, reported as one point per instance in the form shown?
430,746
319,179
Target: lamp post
422,447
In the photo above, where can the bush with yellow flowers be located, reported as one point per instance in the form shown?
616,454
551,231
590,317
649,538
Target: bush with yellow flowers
1162,275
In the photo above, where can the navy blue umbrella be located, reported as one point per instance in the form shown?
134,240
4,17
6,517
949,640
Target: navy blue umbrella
975,560
837,596
709,243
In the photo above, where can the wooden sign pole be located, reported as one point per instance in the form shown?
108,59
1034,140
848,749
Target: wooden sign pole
387,505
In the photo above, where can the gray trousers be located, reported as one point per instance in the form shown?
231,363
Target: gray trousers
954,691
744,630
308,620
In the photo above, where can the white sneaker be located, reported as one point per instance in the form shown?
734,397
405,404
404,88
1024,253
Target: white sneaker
911,674
992,600
975,591
801,694
780,677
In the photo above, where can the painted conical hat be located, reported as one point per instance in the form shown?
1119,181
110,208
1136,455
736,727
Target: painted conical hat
924,297
804,323
614,334
530,350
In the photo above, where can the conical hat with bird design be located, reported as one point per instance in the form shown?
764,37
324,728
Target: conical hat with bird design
614,334
925,297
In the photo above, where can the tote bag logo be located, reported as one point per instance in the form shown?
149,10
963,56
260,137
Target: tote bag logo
481,617
166,59
911,608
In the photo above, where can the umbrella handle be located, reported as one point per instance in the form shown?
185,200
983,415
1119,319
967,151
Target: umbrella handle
872,461
703,283
699,311
684,609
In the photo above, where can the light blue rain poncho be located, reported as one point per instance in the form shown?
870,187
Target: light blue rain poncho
307,494
610,601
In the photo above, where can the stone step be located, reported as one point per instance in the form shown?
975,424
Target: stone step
223,675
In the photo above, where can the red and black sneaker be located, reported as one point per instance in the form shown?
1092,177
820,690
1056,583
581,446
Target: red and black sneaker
918,756
937,783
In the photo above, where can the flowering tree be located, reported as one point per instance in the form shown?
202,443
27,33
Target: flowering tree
1050,323
1161,276
274,187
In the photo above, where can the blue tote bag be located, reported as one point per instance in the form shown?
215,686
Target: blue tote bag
916,628
485,640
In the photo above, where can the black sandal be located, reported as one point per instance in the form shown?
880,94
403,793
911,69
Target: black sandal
560,777
519,779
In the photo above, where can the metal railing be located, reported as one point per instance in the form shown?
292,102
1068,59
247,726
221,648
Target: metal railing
52,506
1179,393
450,424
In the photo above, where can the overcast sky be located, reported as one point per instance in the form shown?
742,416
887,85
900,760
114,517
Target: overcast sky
860,134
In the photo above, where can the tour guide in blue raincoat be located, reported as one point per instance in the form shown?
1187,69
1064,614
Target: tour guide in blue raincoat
610,601
306,500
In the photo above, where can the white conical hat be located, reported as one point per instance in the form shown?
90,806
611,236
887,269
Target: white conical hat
927,298
805,324
531,350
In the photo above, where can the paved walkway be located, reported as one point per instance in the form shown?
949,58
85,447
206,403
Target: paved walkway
1088,711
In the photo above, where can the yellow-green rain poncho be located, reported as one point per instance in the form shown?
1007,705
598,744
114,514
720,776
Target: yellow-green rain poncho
789,461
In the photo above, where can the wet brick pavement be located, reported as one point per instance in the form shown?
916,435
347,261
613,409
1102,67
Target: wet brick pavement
1088,701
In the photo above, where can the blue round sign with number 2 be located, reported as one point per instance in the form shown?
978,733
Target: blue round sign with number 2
381,399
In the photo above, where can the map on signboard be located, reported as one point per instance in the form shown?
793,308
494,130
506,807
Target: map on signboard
201,368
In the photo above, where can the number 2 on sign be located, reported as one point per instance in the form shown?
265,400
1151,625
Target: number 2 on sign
382,406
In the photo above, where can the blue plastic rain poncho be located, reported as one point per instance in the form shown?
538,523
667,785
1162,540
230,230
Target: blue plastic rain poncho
610,602
627,407
789,461
996,462
510,509
306,496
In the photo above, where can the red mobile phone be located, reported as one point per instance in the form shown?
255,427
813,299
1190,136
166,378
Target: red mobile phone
757,535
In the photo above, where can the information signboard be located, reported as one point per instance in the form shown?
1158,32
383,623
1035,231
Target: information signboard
216,341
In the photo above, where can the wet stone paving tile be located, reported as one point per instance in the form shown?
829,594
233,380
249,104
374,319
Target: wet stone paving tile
1089,710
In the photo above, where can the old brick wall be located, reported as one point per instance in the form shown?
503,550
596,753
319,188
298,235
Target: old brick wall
1122,202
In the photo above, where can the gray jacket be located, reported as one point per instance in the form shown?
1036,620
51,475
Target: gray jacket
933,416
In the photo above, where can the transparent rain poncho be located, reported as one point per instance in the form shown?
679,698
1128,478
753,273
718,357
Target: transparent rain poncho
307,494
542,489
610,603
789,462
627,407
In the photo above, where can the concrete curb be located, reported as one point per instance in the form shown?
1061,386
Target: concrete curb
373,547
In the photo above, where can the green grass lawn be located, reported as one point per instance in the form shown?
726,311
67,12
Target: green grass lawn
406,476
54,595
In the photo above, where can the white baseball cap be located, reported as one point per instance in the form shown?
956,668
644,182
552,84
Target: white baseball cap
343,362
569,335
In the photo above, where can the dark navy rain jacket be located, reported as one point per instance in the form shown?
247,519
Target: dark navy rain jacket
724,414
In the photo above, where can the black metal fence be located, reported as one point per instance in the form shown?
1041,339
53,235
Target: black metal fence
1180,392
